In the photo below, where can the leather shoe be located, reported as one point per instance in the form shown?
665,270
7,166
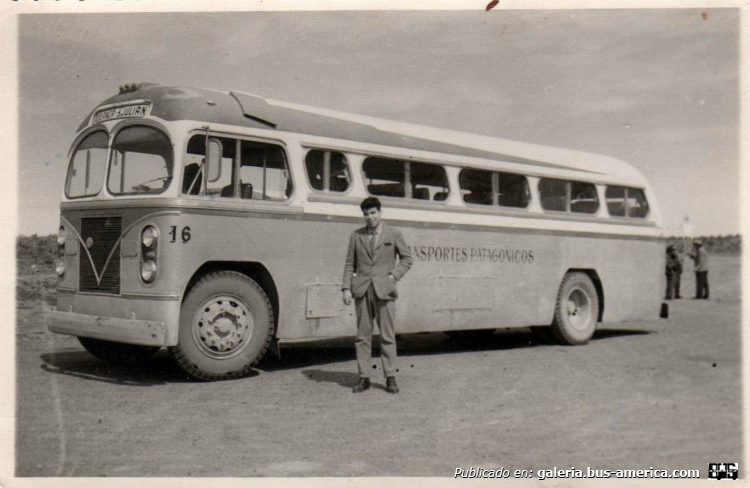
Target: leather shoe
390,385
364,384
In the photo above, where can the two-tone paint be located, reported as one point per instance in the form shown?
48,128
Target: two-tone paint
475,267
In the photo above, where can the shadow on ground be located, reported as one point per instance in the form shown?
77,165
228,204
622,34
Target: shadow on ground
160,369
157,370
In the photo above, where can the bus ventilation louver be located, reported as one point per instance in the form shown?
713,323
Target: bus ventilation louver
101,237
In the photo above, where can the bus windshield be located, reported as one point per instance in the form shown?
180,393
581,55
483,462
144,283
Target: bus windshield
86,170
141,162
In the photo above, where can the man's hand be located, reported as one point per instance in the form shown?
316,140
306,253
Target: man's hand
347,297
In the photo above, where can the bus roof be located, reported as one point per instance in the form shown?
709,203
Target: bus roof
248,110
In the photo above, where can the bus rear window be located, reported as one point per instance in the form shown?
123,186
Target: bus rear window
624,201
86,170
141,162
405,179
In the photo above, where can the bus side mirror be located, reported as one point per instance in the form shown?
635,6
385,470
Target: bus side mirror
214,152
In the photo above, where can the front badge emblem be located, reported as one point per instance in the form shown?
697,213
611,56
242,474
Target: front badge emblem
89,242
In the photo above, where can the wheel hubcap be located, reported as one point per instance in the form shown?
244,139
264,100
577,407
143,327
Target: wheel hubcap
222,326
579,309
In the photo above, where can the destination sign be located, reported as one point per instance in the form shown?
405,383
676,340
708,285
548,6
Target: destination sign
128,111
447,254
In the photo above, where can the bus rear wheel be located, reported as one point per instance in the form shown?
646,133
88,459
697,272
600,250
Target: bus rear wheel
576,310
226,326
116,352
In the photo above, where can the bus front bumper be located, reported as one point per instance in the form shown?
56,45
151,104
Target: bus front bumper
130,331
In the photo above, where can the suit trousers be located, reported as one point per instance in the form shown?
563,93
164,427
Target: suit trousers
371,308
701,284
673,284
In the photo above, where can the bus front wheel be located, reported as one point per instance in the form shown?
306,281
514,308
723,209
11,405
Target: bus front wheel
226,326
576,310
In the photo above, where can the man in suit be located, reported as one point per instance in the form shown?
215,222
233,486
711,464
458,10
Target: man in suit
700,259
370,275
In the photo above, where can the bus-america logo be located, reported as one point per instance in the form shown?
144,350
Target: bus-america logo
139,110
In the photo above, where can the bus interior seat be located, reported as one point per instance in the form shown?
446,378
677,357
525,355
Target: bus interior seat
338,184
441,196
421,193
387,189
191,170
584,206
480,197
246,191
227,191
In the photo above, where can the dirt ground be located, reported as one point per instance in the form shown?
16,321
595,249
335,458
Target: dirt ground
663,394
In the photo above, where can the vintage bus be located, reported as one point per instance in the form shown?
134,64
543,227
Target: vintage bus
216,224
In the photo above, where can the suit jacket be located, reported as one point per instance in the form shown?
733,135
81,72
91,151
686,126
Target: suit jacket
701,260
374,269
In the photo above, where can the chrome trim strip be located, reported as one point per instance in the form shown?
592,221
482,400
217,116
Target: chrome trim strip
146,296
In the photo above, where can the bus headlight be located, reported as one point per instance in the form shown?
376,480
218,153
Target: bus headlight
148,271
60,267
149,237
61,236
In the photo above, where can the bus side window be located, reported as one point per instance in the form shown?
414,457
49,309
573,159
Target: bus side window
385,177
513,190
553,194
583,198
404,179
327,171
615,196
195,165
427,179
264,174
476,186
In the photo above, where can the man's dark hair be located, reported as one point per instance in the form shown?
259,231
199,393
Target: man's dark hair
370,202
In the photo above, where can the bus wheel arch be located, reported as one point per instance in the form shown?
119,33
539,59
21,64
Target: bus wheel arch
226,326
578,307
253,270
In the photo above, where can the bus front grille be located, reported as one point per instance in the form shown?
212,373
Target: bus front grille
101,237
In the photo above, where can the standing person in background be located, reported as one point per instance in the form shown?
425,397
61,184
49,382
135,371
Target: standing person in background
700,260
674,272
370,276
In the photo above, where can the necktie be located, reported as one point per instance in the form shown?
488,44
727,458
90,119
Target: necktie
373,242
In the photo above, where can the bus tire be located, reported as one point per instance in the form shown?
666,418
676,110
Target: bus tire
226,326
576,310
116,352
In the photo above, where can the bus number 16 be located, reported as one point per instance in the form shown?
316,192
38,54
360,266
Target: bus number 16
185,234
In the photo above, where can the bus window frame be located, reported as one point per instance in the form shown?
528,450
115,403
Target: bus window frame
495,184
127,123
237,165
626,199
326,171
569,198
407,179
71,152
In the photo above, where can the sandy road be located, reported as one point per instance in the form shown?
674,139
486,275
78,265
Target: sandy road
662,394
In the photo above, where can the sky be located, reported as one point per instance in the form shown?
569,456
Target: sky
656,88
